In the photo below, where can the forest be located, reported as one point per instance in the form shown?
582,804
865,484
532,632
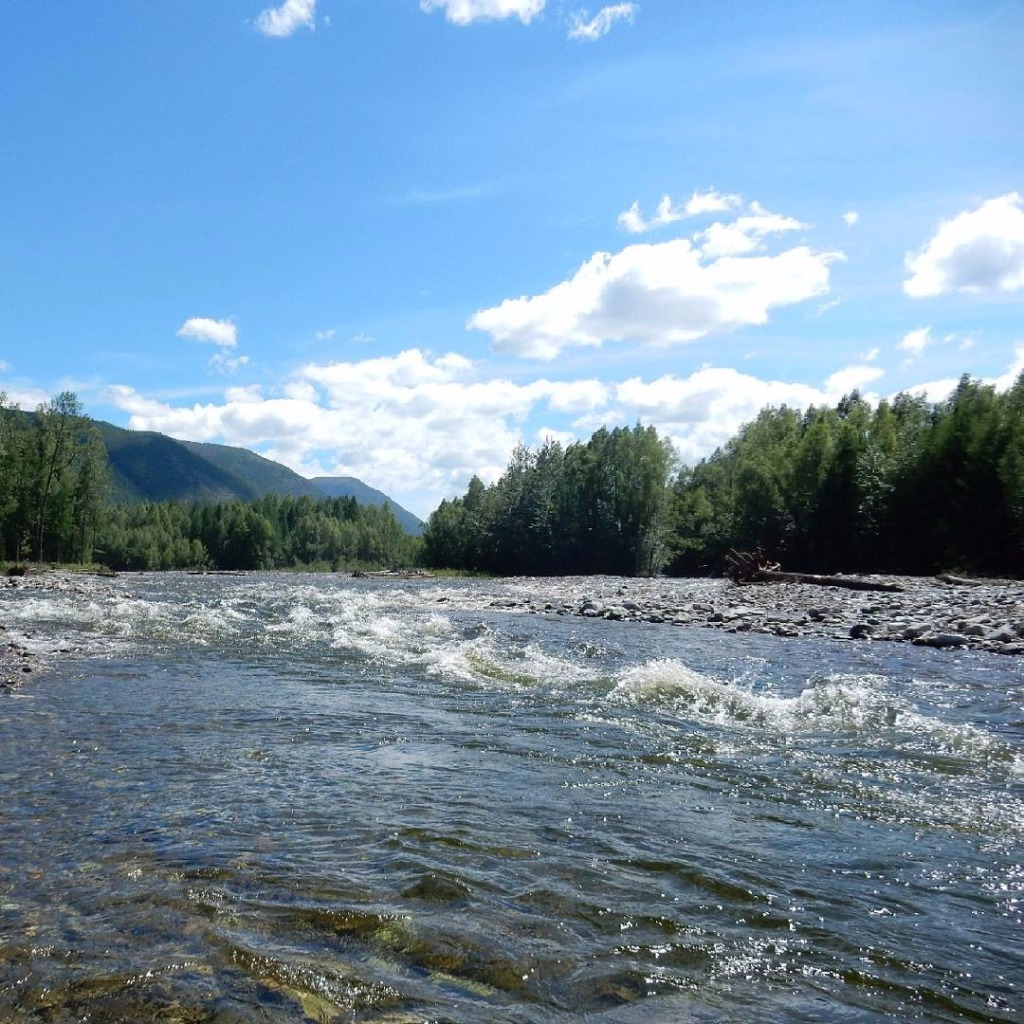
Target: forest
54,507
903,486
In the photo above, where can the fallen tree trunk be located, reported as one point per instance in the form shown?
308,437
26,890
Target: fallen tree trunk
754,567
847,582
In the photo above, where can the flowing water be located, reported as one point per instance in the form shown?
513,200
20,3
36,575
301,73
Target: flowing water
286,798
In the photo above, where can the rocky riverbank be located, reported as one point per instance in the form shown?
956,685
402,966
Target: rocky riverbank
16,662
23,653
947,612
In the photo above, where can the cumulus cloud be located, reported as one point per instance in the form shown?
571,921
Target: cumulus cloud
746,233
669,212
601,24
980,250
225,364
279,22
249,393
851,378
465,12
217,332
1008,379
916,341
850,218
661,293
702,411
22,397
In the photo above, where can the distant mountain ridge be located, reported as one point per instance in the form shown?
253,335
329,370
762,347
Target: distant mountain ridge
148,466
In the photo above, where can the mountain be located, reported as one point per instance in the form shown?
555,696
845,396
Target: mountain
351,487
147,466
257,472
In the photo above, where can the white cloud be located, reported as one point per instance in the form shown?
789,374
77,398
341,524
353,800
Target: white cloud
699,413
601,24
661,293
745,234
577,396
225,364
977,251
850,378
217,332
850,218
1008,379
870,356
4,367
249,393
669,212
325,335
933,390
465,12
916,341
22,397
279,22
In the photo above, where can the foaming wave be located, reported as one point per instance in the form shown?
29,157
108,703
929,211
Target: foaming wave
862,705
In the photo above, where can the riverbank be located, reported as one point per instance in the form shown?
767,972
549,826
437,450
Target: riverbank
946,613
23,652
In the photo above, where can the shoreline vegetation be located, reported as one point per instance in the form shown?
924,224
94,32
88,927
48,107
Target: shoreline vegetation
900,487
946,613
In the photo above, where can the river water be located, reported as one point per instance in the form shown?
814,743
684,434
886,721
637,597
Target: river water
287,798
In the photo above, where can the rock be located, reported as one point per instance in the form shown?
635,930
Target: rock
913,632
942,640
862,631
744,612
1003,635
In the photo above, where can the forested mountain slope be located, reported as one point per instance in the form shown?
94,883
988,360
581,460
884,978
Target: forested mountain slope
147,466
353,487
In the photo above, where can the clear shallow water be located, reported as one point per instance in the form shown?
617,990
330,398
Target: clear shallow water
284,798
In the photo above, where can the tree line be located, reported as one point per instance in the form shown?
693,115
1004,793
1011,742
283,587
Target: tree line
906,486
597,507
54,507
273,532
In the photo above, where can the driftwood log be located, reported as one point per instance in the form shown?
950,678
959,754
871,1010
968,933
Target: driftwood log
754,567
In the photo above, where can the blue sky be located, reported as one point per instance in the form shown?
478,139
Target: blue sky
393,239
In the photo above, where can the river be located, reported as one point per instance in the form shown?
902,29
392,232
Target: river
285,798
